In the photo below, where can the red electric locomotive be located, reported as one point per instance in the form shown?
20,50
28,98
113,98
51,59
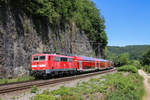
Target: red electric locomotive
44,64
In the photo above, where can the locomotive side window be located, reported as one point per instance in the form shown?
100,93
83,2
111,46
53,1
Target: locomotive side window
49,58
56,58
35,58
69,59
63,59
42,58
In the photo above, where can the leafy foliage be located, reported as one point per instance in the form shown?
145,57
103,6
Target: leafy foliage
135,63
146,68
128,68
146,58
122,59
135,51
60,12
145,61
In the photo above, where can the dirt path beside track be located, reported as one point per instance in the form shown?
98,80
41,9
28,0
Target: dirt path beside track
146,84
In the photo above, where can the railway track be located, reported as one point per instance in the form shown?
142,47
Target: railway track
26,85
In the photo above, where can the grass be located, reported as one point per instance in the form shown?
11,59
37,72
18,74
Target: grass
125,87
19,79
34,89
128,68
115,86
13,97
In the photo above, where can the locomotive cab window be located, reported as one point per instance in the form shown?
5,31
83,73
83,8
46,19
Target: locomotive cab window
64,59
35,58
70,60
42,58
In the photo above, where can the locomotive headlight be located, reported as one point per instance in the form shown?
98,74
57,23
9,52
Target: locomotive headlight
34,65
42,65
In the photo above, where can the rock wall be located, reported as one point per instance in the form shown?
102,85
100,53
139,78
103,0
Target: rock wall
22,35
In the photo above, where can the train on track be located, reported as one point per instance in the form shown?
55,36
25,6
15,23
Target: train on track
53,64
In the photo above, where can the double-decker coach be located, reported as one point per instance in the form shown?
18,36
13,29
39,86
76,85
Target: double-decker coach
103,63
89,64
83,63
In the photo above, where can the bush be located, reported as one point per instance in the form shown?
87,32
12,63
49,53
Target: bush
34,89
128,68
125,87
146,68
63,91
135,63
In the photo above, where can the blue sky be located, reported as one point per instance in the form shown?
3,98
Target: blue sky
127,21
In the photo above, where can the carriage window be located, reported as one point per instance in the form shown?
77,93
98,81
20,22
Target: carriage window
96,63
64,59
56,58
42,58
35,58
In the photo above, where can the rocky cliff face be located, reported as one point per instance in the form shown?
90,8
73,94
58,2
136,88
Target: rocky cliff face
22,35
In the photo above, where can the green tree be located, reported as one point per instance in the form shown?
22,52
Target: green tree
113,58
124,59
146,58
135,51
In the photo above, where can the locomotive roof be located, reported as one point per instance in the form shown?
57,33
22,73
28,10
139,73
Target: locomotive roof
81,57
52,55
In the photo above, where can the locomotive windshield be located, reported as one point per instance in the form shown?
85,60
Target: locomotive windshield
39,58
42,58
35,58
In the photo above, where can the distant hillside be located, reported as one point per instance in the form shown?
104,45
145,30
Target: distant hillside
135,51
